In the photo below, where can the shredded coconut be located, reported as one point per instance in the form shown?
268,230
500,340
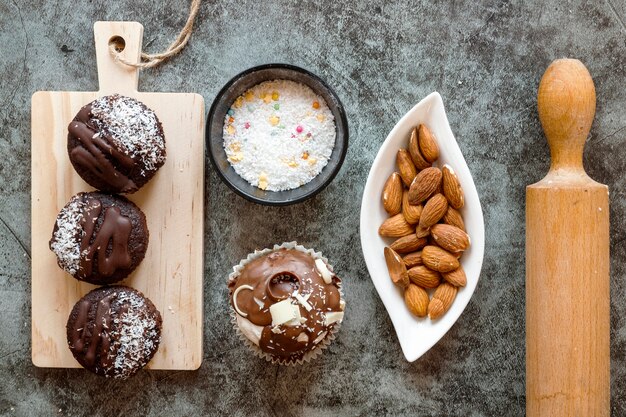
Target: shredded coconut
279,135
133,127
135,333
66,239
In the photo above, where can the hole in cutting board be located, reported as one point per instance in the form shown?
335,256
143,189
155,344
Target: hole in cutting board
118,43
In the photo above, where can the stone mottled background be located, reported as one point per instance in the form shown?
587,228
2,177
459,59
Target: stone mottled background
486,61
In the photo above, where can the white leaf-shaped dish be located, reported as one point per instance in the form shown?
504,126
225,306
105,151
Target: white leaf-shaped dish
417,335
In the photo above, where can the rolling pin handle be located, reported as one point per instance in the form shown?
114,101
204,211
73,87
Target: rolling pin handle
566,103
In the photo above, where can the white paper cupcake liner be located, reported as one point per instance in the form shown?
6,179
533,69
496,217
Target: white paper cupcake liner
317,350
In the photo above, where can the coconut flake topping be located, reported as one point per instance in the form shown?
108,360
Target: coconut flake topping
135,333
133,127
66,239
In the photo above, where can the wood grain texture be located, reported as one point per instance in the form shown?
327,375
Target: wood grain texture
567,260
172,272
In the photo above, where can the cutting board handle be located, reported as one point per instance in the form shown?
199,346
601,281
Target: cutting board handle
114,76
567,104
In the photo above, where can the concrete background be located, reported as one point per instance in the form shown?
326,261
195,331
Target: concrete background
485,58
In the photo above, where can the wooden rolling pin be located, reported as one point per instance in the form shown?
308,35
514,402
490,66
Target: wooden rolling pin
567,260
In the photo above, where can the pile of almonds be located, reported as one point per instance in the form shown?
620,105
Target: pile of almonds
422,201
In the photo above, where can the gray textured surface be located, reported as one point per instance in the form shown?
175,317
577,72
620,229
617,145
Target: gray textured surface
486,61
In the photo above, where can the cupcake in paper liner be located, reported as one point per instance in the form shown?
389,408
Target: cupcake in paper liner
287,303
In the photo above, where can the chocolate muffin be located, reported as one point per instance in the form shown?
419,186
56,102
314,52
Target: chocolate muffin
99,238
286,303
114,331
116,144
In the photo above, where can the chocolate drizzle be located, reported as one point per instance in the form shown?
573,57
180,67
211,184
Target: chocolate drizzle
93,334
106,247
275,277
98,155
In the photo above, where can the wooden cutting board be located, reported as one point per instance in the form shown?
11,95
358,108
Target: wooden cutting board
173,201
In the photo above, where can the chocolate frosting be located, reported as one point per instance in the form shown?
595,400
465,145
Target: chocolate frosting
98,153
275,277
114,229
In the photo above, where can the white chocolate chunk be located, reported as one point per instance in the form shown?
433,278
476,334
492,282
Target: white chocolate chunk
259,303
282,312
298,319
242,287
303,338
302,300
326,275
342,305
333,317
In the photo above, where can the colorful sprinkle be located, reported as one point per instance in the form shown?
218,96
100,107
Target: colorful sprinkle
247,125
235,146
230,129
316,105
321,117
231,119
231,112
299,129
236,157
237,104
276,106
263,181
249,96
308,135
305,155
275,96
274,120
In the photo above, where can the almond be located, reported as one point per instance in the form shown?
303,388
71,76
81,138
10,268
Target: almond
456,277
442,300
395,226
413,259
392,194
409,243
410,212
454,218
422,231
452,187
424,185
397,269
424,277
414,150
438,259
433,211
451,238
416,299
428,144
405,166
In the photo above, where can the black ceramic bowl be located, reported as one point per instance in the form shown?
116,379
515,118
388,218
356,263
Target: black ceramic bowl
215,125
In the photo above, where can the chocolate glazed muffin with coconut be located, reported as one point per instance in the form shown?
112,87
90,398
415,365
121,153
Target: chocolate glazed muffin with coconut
114,331
287,303
99,238
116,144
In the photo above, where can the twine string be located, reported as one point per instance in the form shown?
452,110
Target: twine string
152,60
